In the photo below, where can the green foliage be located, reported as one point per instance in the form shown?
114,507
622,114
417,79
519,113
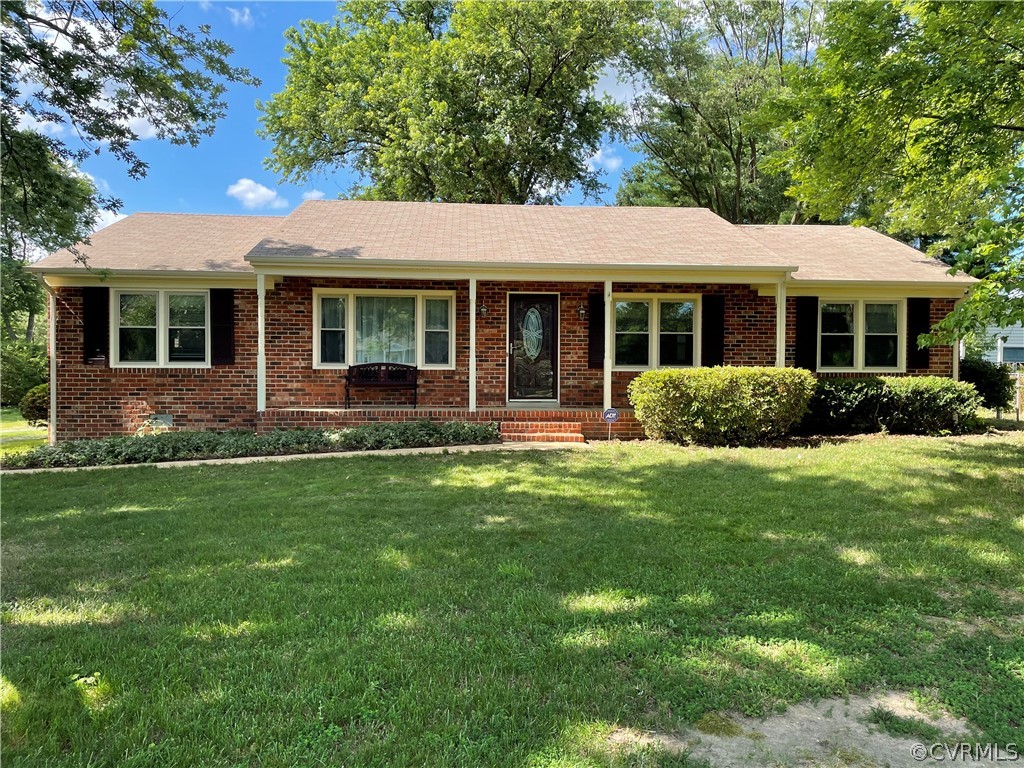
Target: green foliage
23,365
483,102
905,727
102,71
912,115
994,382
35,405
721,405
916,405
176,446
709,71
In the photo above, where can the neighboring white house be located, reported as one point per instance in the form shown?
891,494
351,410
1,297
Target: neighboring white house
1009,344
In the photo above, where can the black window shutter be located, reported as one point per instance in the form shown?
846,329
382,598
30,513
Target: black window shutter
96,325
595,338
806,332
712,330
918,321
222,326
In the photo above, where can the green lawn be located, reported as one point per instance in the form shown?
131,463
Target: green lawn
502,609
15,433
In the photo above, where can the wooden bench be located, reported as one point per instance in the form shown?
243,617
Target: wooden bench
381,376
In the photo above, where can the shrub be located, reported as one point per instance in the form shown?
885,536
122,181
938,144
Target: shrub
176,446
35,405
993,381
922,405
720,405
23,365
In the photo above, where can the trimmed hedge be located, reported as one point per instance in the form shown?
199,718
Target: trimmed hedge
723,405
993,381
909,405
35,405
177,446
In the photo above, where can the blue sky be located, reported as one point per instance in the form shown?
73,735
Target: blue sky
225,173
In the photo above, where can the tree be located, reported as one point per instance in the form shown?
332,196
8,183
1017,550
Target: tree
102,71
46,206
484,102
913,112
708,73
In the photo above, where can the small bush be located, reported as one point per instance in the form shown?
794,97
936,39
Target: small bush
721,405
994,382
918,405
177,446
23,365
35,405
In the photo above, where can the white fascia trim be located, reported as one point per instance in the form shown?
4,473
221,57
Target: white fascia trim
143,279
583,272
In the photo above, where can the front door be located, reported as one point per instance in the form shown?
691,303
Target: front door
533,346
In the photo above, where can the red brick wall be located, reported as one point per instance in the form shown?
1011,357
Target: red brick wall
97,401
292,382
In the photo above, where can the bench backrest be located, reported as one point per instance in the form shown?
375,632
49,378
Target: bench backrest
382,374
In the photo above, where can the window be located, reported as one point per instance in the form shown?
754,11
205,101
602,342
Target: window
332,329
860,335
160,328
655,331
386,327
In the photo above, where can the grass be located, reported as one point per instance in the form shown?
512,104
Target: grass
502,609
15,433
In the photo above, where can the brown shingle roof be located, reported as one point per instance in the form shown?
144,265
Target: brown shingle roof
498,234
511,234
832,252
171,241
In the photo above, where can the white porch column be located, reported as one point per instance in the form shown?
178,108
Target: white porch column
261,353
609,319
780,325
472,344
52,334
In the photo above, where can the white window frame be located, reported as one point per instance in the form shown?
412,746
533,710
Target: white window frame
162,327
654,327
860,331
351,295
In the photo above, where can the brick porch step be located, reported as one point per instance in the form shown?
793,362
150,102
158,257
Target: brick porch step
542,432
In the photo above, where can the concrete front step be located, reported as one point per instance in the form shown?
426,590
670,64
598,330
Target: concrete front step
543,437
542,432
519,427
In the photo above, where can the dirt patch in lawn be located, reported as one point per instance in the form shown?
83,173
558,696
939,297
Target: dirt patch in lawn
875,730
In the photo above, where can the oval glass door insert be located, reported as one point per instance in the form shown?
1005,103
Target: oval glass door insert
533,333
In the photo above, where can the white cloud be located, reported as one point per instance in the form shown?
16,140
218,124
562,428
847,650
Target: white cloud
101,184
205,5
618,86
605,158
106,218
241,17
252,194
142,128
314,194
27,122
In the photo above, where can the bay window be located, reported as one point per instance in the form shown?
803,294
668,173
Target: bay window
654,331
160,328
412,328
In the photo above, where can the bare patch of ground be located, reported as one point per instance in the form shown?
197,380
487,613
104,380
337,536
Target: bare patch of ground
832,733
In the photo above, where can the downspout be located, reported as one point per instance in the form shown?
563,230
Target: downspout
609,318
780,324
472,344
261,354
52,340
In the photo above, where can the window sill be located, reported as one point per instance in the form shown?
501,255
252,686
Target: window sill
822,369
162,366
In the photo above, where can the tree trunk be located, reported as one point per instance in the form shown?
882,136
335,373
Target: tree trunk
30,327
9,329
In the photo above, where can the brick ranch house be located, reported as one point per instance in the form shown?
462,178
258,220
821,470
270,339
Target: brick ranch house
535,317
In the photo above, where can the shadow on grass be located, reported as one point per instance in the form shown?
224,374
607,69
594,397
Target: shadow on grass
491,609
